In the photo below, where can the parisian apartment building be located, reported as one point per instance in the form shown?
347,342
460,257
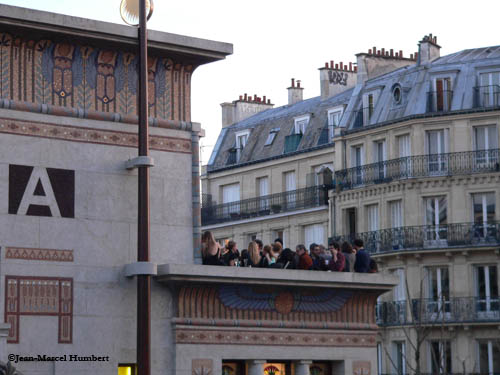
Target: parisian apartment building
399,150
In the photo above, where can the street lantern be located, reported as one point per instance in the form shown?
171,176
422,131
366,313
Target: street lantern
133,11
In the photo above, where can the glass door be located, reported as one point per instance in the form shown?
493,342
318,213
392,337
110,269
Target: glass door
437,148
436,221
487,291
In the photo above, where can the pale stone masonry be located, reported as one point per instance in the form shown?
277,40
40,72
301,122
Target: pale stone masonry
413,143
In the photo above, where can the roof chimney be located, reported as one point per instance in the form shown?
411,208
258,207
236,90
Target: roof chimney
378,62
246,106
336,78
295,93
428,49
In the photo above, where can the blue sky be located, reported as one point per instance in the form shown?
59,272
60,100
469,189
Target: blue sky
276,40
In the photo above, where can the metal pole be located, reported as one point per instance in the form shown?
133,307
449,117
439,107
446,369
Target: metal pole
143,281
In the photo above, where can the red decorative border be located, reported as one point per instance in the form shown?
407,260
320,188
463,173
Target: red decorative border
64,307
51,255
286,338
91,135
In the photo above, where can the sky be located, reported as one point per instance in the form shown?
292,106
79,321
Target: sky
276,40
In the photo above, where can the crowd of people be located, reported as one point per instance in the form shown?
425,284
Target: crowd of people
337,257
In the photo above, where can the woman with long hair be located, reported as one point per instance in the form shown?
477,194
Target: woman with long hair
254,254
350,256
210,250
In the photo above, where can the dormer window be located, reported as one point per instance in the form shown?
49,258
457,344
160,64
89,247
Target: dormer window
301,124
271,136
334,117
241,142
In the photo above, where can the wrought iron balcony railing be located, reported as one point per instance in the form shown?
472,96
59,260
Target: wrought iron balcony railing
428,237
449,164
439,101
288,201
487,96
439,311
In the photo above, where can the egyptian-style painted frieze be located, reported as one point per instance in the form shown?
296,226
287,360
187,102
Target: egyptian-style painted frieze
90,79
39,296
90,135
291,338
50,255
262,305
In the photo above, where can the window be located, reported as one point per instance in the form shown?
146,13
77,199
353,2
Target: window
399,292
357,156
379,156
241,142
486,144
279,233
483,214
127,369
372,214
437,146
396,214
290,188
251,237
301,125
443,93
351,222
436,218
438,290
489,356
263,186
271,136
314,233
399,357
396,94
489,93
487,289
440,357
334,117
404,146
222,241
231,198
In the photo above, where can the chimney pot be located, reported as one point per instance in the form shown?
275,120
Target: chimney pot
341,65
374,50
268,101
369,51
400,54
392,52
383,51
264,98
255,97
246,97
293,82
355,69
378,52
331,64
298,84
336,66
350,66
397,55
241,97
326,65
416,55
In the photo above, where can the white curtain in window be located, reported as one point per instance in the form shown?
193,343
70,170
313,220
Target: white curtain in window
231,193
404,146
373,223
314,233
290,181
400,290
396,214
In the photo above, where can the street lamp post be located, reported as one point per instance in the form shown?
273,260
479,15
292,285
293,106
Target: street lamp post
129,12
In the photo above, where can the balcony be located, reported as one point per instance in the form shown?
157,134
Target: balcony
292,143
442,311
426,237
288,201
439,101
450,164
487,96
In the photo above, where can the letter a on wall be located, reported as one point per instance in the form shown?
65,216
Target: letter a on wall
38,191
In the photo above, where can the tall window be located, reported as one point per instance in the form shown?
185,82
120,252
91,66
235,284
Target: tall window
379,156
489,356
231,198
351,222
489,90
279,233
372,214
399,292
437,145
442,101
290,188
241,142
486,144
334,117
404,153
487,288
438,291
483,211
263,185
399,357
436,218
440,357
396,213
357,156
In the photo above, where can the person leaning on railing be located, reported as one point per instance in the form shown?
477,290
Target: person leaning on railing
337,263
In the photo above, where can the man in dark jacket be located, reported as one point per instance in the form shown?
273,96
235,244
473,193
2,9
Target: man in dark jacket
318,261
363,259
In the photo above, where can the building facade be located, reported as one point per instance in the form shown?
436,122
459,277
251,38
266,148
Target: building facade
68,214
416,176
